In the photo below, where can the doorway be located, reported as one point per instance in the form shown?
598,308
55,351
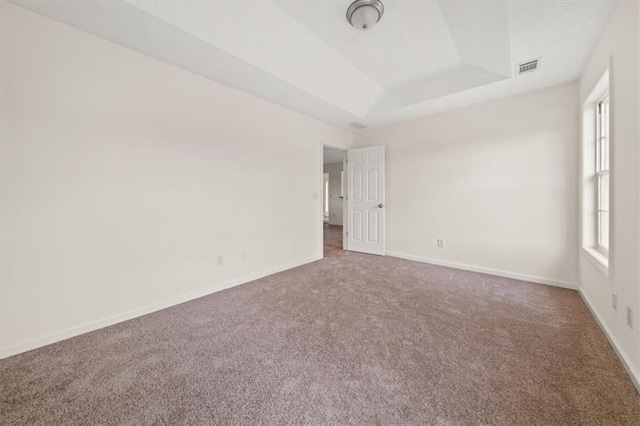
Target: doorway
333,198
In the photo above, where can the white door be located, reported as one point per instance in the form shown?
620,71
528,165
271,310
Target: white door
365,200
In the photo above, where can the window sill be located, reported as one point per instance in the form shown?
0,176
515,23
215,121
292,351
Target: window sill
601,260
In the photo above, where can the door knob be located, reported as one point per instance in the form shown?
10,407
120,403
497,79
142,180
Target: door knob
380,206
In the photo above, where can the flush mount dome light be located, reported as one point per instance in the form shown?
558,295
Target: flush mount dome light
364,14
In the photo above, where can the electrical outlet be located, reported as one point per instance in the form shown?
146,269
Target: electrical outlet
629,317
614,301
440,243
219,261
244,256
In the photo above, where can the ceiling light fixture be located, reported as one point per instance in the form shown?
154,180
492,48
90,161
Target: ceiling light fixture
364,14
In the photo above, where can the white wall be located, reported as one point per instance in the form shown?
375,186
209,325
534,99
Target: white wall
497,181
335,202
124,177
618,49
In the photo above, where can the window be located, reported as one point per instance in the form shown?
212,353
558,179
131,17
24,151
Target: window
602,174
596,170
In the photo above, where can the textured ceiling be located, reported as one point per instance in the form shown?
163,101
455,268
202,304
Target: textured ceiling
423,57
412,41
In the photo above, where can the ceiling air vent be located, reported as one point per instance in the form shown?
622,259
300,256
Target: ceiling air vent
357,125
527,67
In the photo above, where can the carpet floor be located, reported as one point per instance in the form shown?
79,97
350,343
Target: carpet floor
350,339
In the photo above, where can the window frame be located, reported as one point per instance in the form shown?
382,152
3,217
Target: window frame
590,228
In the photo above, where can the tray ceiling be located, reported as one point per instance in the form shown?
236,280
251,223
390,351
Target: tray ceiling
421,58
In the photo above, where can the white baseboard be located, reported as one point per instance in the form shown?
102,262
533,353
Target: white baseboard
490,271
95,325
624,359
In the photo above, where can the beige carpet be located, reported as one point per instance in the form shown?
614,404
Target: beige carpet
351,339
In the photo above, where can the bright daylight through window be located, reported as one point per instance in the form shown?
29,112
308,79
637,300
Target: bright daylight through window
602,174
